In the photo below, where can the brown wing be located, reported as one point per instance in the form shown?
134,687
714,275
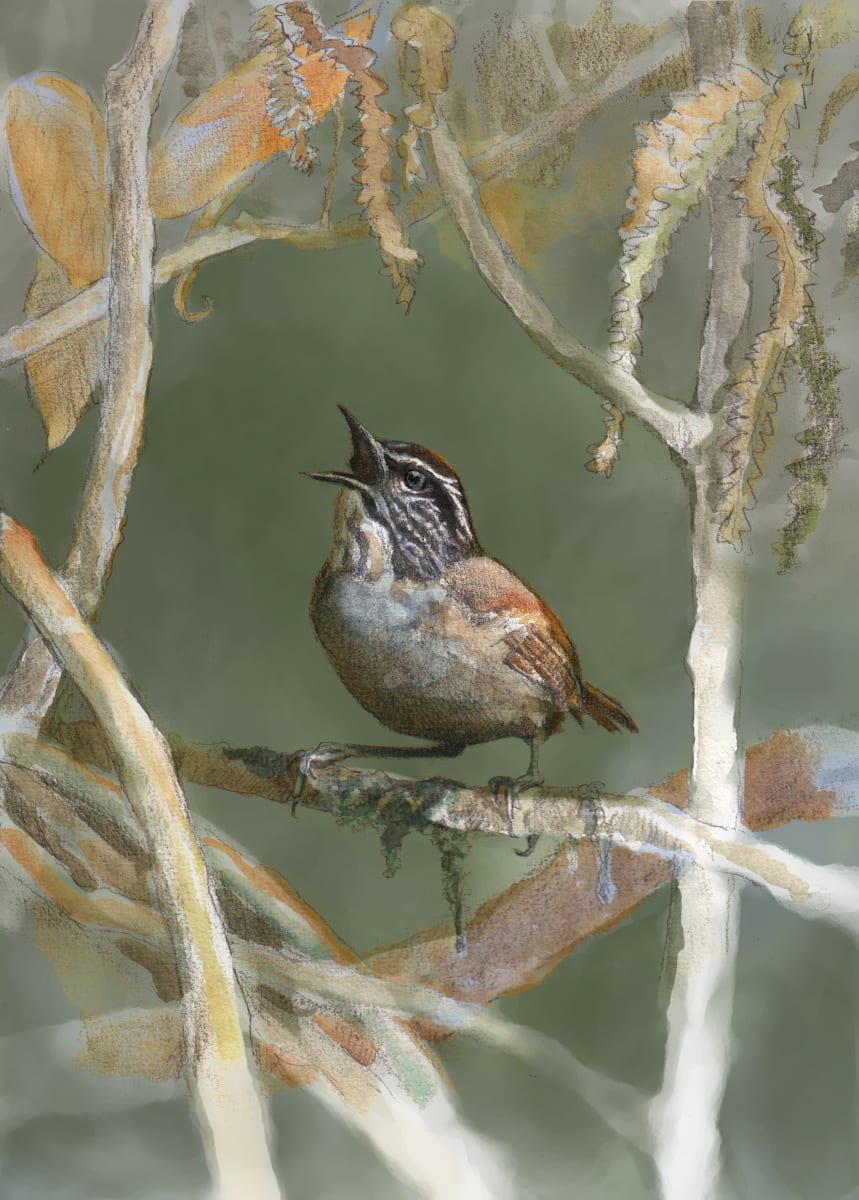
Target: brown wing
539,647
541,650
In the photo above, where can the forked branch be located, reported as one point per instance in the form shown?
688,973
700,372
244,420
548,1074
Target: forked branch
679,427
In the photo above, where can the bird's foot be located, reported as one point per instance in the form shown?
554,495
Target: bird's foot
325,754
512,789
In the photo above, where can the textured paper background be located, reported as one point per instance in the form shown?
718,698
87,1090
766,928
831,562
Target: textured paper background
206,612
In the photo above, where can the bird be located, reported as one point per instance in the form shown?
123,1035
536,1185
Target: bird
435,638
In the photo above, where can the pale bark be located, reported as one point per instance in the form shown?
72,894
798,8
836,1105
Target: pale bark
685,1114
220,1081
495,163
132,91
698,1049
679,427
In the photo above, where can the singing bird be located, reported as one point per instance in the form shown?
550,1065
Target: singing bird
431,635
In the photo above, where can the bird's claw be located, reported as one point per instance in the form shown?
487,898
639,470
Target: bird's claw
325,754
513,789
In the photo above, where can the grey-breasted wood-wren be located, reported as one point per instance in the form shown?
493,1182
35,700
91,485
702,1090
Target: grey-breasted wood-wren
433,637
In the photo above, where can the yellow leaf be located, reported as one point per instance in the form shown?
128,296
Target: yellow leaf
56,150
63,376
843,94
431,34
607,452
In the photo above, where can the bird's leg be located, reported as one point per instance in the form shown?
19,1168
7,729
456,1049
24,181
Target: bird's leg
514,788
328,753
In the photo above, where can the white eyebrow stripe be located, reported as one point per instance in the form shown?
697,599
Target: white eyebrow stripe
423,465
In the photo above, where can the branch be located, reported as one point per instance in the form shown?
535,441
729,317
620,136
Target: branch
797,767
680,428
498,161
132,91
621,1106
295,952
685,1114
218,1074
31,336
639,821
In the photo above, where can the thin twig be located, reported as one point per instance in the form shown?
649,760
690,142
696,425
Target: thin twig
679,427
218,1074
25,339
333,164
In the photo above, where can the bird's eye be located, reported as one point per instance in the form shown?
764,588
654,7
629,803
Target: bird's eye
415,480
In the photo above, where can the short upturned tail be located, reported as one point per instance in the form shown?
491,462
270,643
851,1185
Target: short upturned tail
605,710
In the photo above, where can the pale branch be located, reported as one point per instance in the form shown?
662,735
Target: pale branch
639,820
498,161
132,89
704,942
219,1079
679,427
684,1114
131,94
91,304
308,959
31,336
806,774
621,1106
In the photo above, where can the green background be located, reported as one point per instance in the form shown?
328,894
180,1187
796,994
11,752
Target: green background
207,613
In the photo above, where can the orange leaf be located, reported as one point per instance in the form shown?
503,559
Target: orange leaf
258,110
359,27
219,138
63,376
56,151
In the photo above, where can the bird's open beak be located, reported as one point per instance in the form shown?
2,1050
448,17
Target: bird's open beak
367,461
